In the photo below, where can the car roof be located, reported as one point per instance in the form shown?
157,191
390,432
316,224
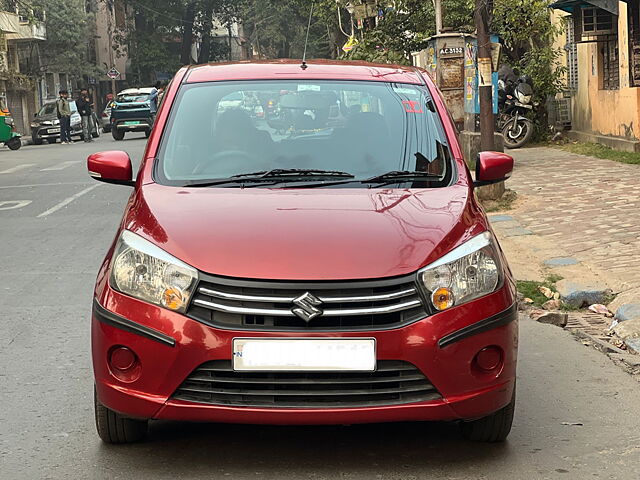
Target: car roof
136,91
315,70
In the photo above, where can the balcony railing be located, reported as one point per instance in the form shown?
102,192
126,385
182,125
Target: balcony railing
28,32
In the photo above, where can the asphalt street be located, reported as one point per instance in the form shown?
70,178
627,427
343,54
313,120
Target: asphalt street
578,415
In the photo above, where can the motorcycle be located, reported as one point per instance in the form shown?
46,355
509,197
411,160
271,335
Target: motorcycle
514,102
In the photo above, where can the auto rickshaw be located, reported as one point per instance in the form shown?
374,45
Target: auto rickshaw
8,135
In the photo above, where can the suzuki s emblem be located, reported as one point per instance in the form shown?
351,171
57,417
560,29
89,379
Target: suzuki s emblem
307,307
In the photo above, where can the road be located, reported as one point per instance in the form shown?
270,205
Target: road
53,240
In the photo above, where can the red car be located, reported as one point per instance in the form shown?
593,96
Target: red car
335,268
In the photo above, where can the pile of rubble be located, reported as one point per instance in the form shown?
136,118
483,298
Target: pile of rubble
620,317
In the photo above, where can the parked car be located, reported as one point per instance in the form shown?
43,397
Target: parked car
130,112
46,125
340,273
105,118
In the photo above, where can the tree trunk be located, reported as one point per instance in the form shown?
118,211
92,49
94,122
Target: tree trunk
187,34
207,27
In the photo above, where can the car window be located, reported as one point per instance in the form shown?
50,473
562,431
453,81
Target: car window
365,128
132,98
47,109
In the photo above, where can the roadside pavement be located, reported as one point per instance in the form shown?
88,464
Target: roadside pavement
577,217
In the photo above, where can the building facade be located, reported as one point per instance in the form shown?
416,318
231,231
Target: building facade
601,44
20,83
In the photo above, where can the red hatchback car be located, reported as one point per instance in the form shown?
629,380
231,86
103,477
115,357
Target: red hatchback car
319,261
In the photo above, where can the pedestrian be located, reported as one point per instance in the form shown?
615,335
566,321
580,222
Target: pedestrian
63,111
85,109
153,101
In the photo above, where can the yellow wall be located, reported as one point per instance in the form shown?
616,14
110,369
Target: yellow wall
606,112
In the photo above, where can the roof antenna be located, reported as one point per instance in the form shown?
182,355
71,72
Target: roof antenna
306,41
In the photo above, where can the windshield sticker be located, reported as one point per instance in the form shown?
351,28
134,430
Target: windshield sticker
304,88
411,106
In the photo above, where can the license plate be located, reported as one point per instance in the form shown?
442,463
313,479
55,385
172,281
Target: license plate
304,354
132,123
53,130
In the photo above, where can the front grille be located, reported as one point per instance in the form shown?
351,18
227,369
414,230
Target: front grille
344,305
394,382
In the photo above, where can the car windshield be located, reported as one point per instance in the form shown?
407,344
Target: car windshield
50,108
364,129
131,98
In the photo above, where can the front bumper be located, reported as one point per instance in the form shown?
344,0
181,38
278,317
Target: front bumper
144,123
170,346
49,132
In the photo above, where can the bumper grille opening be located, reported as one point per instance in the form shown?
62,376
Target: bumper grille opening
394,382
344,305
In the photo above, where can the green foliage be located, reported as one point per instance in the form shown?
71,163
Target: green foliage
602,151
406,28
68,33
531,289
277,28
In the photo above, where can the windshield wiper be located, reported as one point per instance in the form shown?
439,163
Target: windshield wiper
303,172
400,176
275,175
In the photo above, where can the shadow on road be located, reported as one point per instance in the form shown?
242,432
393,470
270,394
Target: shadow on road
367,450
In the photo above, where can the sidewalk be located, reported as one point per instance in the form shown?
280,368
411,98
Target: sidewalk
581,209
578,217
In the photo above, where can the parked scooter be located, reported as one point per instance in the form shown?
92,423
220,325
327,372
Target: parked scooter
515,97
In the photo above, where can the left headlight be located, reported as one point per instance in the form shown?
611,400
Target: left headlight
522,98
144,271
469,271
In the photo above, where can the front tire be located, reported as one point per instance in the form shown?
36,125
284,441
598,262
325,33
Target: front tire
36,140
117,134
115,428
515,136
14,143
492,428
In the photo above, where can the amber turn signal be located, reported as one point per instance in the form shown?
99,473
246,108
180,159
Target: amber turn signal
442,298
173,299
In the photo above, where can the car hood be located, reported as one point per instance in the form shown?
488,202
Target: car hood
43,118
305,234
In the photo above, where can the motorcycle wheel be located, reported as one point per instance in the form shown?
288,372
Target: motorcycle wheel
515,136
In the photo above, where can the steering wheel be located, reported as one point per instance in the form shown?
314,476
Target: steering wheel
226,163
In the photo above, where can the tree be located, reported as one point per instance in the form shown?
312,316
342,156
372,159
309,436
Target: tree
68,31
406,27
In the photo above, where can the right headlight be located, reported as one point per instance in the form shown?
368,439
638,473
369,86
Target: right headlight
144,271
469,271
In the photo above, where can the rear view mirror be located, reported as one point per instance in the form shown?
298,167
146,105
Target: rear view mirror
111,167
492,167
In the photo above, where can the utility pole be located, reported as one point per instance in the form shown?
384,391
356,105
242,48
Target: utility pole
437,5
485,87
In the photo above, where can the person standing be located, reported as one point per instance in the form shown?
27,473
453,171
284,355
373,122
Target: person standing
153,102
85,109
63,111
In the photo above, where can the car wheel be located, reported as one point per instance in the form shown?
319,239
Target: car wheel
115,428
117,134
36,140
493,428
14,143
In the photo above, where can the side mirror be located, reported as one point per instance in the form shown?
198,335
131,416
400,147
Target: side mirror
492,167
111,167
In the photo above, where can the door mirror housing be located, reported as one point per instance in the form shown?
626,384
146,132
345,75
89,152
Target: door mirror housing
492,167
111,167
